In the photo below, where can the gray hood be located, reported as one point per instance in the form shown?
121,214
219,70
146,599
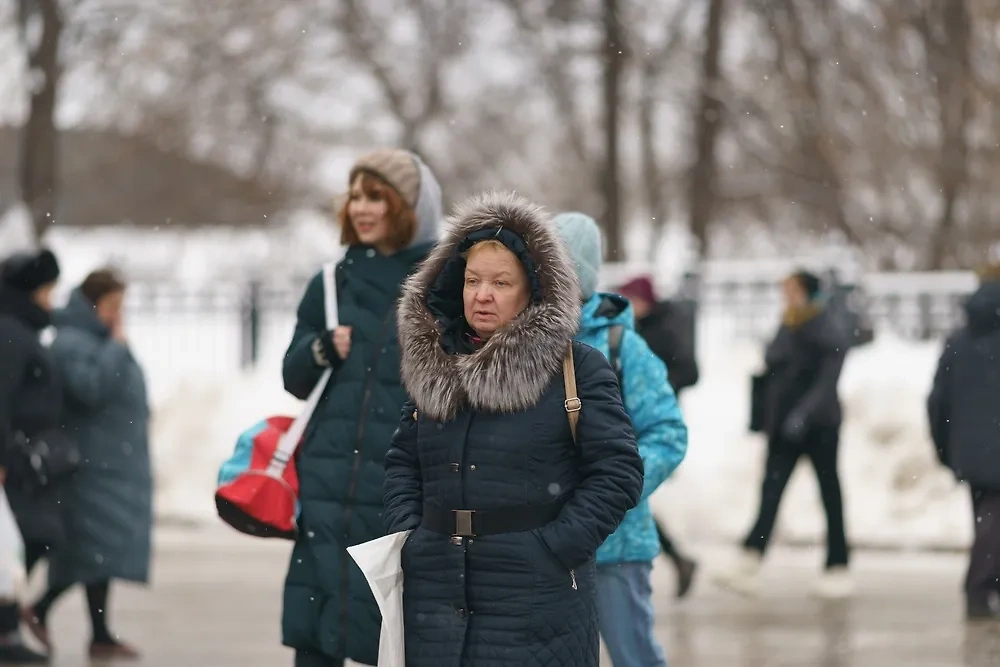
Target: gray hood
429,209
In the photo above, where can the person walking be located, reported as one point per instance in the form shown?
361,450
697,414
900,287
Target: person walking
388,224
110,499
964,421
513,459
30,414
664,328
625,560
801,417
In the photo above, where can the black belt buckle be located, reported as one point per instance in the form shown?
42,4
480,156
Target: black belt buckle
463,523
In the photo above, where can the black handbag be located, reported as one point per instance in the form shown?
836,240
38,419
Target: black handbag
46,457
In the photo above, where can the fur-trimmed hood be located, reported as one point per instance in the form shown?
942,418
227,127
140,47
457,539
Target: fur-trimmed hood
513,368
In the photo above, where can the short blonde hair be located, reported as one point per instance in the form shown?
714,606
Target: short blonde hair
482,245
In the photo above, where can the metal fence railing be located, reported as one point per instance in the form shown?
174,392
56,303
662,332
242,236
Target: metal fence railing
229,326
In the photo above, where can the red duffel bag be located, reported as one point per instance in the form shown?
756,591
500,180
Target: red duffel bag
258,486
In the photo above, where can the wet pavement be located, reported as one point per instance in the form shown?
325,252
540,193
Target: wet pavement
215,602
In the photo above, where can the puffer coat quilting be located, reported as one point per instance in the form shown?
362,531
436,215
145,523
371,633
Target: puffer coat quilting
524,598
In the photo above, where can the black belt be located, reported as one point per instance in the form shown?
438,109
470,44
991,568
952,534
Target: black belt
472,523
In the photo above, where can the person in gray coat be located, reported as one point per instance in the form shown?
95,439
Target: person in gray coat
110,506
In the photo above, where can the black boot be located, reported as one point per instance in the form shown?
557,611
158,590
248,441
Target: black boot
19,654
686,569
979,610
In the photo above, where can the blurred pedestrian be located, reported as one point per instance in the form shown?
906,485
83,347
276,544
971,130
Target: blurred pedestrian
388,223
625,560
507,499
32,476
964,413
110,506
801,416
669,330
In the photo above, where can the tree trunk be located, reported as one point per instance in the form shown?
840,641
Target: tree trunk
656,201
703,175
614,61
39,137
949,62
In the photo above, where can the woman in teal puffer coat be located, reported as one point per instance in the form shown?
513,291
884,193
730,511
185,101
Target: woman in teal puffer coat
389,224
625,560
110,503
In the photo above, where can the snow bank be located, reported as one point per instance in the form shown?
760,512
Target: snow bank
195,426
895,493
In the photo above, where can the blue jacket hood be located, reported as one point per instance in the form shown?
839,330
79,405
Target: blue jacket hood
603,311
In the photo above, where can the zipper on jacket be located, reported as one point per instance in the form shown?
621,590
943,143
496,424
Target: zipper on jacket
352,485
572,578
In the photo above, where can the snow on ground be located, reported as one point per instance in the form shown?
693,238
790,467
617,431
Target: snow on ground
895,493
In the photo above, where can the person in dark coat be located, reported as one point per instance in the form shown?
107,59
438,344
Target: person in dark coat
389,224
110,503
30,410
802,417
964,414
507,507
657,323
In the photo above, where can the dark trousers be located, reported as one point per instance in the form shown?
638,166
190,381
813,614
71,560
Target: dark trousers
10,614
820,446
311,659
983,578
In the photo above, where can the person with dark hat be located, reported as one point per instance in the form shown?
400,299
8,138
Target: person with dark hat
669,331
801,414
30,413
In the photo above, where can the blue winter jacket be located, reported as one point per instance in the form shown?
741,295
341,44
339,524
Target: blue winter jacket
656,417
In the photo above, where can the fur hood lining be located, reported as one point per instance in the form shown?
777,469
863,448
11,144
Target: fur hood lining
513,368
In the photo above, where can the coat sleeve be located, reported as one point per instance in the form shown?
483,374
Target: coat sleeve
311,350
823,391
13,354
611,467
91,369
650,402
939,402
403,490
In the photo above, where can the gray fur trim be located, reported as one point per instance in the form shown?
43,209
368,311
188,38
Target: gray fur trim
512,370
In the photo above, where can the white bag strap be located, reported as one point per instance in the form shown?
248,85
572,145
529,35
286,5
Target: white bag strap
290,439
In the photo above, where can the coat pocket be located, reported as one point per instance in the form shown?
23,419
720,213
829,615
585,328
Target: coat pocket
550,564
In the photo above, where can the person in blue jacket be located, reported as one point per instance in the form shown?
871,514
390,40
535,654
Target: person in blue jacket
625,560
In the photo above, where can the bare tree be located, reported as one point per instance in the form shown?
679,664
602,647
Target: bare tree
707,123
41,24
614,61
947,38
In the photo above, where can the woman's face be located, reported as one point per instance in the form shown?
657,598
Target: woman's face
496,288
43,297
367,213
109,308
795,295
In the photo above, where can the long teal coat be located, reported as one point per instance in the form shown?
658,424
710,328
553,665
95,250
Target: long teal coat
328,606
110,508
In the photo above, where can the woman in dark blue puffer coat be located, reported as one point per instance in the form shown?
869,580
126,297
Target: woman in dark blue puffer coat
507,508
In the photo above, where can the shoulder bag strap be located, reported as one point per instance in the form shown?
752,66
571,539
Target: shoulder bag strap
573,403
290,439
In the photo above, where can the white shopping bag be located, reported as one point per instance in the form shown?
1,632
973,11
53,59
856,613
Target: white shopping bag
381,562
12,573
